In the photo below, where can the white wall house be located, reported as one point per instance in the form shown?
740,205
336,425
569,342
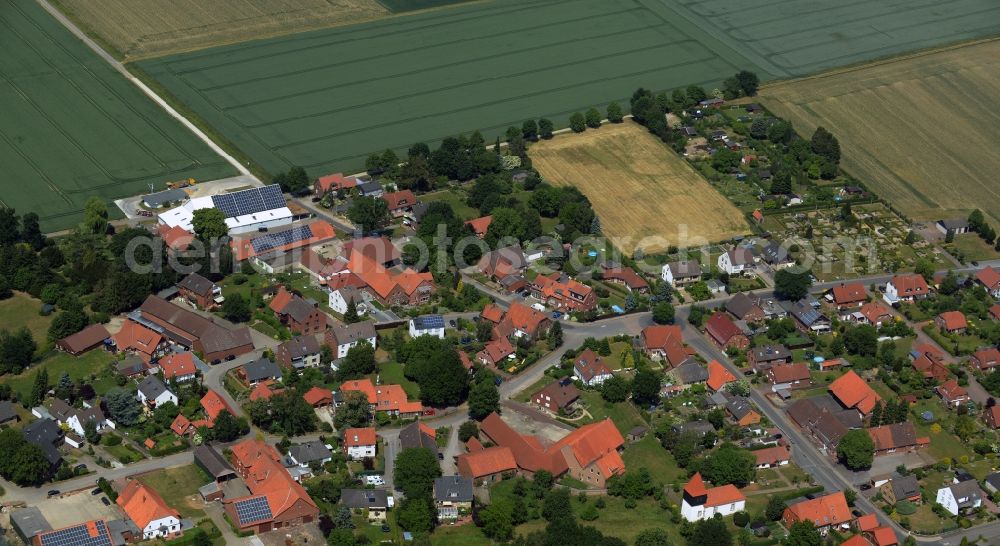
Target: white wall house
342,338
700,503
681,273
340,298
152,392
959,497
162,527
427,325
736,261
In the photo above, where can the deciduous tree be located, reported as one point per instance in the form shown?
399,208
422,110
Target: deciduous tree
856,450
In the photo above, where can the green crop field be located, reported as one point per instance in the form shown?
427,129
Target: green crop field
72,127
400,6
324,100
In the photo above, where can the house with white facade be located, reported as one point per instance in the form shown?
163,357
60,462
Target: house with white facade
905,288
736,261
75,419
342,338
427,325
359,443
701,503
150,513
153,393
341,297
591,369
960,497
681,273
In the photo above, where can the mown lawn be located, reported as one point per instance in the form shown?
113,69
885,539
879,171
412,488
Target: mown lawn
177,486
649,454
93,364
465,535
391,373
618,521
624,414
22,310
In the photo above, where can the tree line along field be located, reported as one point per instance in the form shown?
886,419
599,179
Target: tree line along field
919,131
799,37
325,100
72,127
646,195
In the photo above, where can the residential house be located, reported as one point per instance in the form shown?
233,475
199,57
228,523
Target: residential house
84,340
985,359
479,226
212,404
46,434
826,425
139,340
744,308
264,390
989,278
556,397
194,331
772,457
955,225
896,438
590,453
310,453
399,202
742,411
958,498
179,367
200,291
153,393
427,325
359,443
905,288
298,314
276,500
718,376
828,512
258,371
503,263
764,357
75,419
952,322
418,435
495,352
181,425
690,372
725,333
853,392
318,397
559,291
992,482
299,352
700,502
736,261
386,286
808,319
776,255
487,465
388,398
452,497
524,322
953,394
374,503
901,488
681,273
333,183
928,360
875,314
341,298
789,376
150,513
370,189
617,274
699,429
665,342
849,296
591,369
492,313
342,338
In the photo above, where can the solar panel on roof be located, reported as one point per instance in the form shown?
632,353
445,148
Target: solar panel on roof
430,321
280,238
78,535
249,201
252,510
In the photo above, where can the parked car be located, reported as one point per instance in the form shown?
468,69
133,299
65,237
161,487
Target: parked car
105,501
96,491
556,315
451,323
53,492
430,411
80,468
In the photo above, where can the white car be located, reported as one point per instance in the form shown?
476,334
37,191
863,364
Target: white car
376,480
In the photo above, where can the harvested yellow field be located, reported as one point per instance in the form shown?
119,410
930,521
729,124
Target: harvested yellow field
920,131
646,195
139,29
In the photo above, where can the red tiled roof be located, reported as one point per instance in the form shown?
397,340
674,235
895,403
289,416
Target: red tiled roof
987,358
399,199
771,455
466,361
177,364
853,392
260,466
884,536
875,311
846,294
867,522
718,375
144,505
951,390
493,313
895,436
786,373
136,337
361,385
213,404
668,339
995,311
317,395
263,391
856,540
175,237
628,276
822,511
910,285
524,318
721,328
336,181
480,225
393,398
473,444
354,437
485,462
180,425
953,320
989,277
715,496
555,286
589,365
497,350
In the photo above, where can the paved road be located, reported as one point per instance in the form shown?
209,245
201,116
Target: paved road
325,215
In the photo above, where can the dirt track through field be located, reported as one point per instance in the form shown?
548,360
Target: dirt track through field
645,194
920,131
